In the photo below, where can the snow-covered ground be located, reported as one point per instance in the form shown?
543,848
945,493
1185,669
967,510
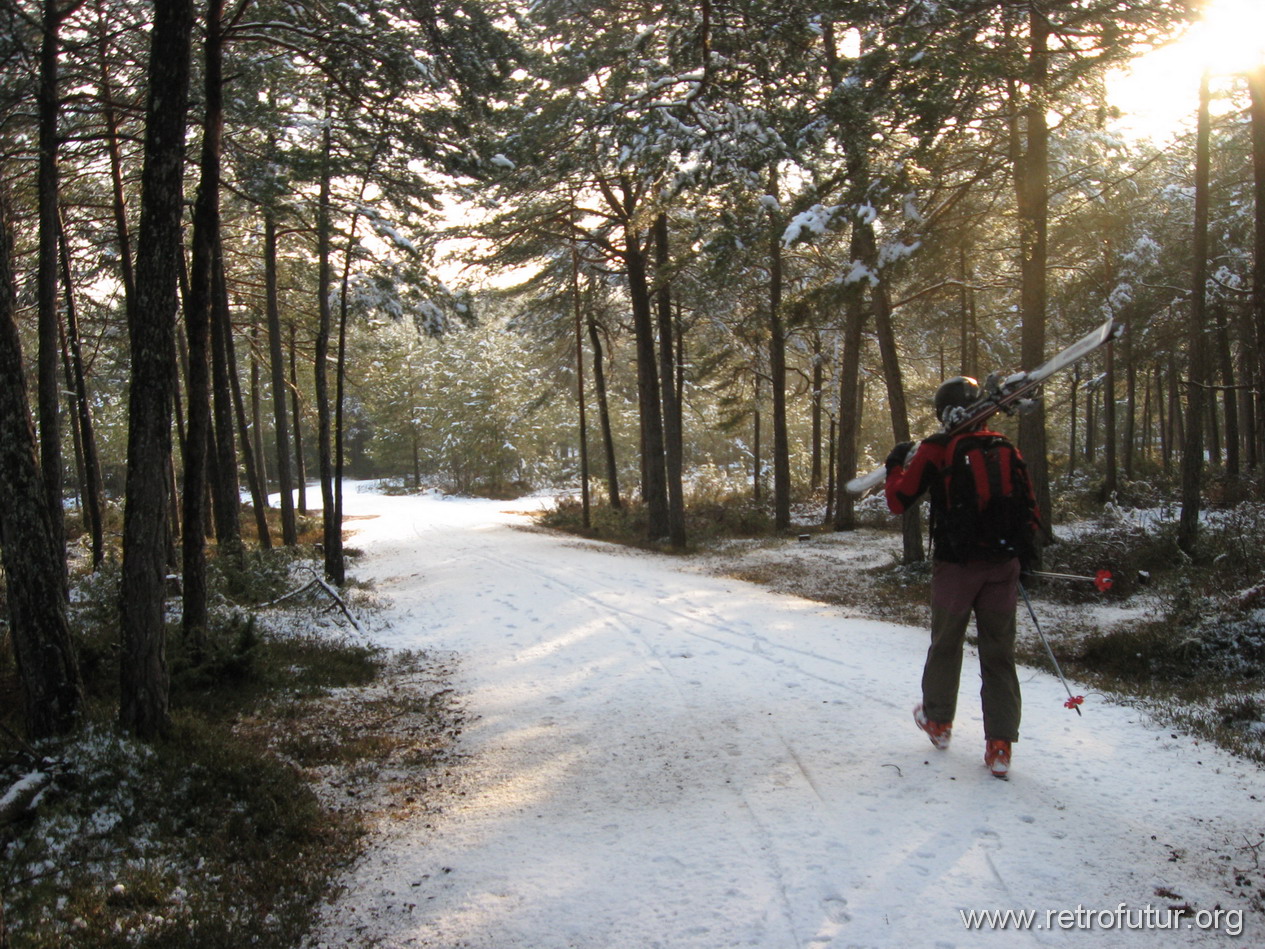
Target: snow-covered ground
658,757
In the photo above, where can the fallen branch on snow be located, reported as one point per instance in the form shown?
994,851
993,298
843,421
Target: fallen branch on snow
319,581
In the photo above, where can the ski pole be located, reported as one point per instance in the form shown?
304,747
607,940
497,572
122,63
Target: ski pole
1103,579
1073,701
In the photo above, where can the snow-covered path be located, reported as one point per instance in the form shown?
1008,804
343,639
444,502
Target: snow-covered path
665,759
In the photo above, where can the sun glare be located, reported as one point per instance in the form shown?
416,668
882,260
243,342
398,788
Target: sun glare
1158,93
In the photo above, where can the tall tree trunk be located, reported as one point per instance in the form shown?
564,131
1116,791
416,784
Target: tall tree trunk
296,413
1256,87
1230,397
254,478
92,492
757,429
68,379
654,464
968,335
1213,420
1111,483
280,424
108,113
340,363
1073,418
1130,408
1073,443
34,561
1111,447
256,414
48,382
1032,175
777,374
911,521
581,411
151,323
672,422
654,486
1193,440
604,412
678,332
197,318
333,533
1145,439
818,380
1248,383
1176,420
1091,421
849,406
416,440
226,488
830,473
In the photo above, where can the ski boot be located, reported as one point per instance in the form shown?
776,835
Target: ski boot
938,732
997,757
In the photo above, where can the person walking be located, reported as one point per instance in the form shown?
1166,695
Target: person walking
983,524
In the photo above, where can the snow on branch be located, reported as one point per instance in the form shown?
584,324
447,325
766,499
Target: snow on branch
22,795
816,220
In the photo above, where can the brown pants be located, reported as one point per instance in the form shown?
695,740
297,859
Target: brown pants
991,591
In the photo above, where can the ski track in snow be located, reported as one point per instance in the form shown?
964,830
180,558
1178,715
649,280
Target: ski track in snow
659,758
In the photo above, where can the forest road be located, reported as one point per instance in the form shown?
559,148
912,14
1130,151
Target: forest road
655,757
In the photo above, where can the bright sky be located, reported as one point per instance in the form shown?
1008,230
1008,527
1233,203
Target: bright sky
1160,92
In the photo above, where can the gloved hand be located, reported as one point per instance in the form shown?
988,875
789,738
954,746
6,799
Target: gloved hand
898,456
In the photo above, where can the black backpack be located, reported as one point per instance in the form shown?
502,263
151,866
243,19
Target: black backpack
988,512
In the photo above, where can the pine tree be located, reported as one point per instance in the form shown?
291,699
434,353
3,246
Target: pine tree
34,562
151,323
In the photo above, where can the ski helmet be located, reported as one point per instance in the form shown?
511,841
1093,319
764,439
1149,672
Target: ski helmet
958,392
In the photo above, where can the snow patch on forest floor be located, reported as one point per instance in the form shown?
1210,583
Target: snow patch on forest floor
851,570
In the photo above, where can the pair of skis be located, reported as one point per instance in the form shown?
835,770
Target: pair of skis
1004,395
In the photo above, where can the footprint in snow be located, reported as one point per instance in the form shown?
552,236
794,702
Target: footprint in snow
836,909
988,839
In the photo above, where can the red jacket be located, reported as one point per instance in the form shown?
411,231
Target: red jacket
925,472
